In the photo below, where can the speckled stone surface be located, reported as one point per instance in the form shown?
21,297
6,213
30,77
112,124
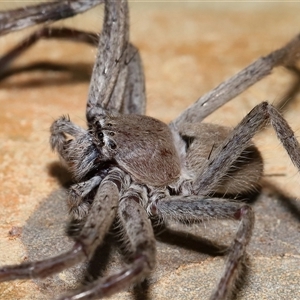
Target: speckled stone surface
187,49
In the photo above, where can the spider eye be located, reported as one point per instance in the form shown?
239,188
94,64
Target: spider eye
112,144
109,125
111,133
100,135
97,124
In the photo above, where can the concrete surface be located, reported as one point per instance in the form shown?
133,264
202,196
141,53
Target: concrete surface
187,49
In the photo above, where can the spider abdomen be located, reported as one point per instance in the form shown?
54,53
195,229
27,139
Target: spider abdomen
202,141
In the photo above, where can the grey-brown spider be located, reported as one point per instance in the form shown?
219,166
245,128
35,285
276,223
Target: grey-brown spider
124,163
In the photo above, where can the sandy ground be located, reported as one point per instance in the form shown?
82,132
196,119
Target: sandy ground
187,49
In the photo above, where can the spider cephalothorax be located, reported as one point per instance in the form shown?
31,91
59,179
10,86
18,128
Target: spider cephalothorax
129,168
141,145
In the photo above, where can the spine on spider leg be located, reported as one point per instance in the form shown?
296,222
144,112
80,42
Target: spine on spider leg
113,42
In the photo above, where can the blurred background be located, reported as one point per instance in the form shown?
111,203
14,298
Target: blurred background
187,48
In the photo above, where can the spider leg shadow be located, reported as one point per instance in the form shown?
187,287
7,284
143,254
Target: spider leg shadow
141,290
292,92
101,259
291,205
203,248
44,235
197,243
61,173
190,241
65,74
